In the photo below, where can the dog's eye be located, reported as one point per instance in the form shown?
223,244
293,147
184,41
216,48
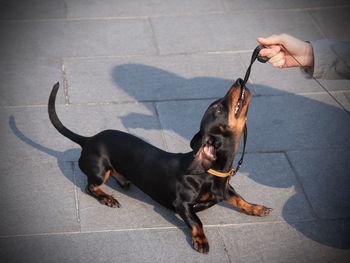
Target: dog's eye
218,109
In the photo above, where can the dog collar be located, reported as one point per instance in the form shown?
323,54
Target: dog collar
221,174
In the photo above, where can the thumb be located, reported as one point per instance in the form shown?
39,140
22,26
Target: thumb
271,40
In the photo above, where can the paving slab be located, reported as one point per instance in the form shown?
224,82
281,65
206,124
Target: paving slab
329,20
335,84
33,9
135,118
153,245
280,242
237,31
258,5
324,175
38,198
63,38
343,98
151,78
110,8
289,122
29,81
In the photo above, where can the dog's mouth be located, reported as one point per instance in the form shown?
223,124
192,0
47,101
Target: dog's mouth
240,102
209,152
206,154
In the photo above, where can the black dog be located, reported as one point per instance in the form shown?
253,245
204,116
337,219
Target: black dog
183,182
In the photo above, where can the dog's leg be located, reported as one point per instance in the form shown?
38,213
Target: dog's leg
98,171
94,189
251,209
199,240
121,180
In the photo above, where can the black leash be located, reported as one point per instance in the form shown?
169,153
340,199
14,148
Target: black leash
242,83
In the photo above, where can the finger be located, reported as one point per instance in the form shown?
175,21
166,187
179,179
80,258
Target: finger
277,57
273,39
270,52
279,64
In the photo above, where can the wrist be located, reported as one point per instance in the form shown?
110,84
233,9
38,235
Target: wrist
309,55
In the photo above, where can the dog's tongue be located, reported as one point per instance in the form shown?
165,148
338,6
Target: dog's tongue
209,151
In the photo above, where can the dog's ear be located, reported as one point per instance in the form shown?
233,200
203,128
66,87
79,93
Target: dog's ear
196,141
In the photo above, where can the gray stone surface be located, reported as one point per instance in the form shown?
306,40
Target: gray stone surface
23,77
151,68
32,9
110,8
280,242
296,122
343,98
228,32
333,21
136,118
148,245
151,78
258,5
27,134
324,175
37,197
64,38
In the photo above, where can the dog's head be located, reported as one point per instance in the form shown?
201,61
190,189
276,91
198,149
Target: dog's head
221,126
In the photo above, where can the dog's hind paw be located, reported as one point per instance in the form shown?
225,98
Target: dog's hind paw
110,201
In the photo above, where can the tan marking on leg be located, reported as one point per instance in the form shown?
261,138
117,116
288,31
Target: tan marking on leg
250,209
121,179
205,197
106,176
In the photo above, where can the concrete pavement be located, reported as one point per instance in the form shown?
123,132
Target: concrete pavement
151,68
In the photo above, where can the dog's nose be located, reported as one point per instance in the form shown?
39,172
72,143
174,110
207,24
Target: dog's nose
237,92
209,140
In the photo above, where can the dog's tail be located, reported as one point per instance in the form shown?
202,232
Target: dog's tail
57,123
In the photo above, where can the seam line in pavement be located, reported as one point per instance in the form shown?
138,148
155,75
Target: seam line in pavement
174,227
298,179
166,147
143,17
76,199
65,84
167,100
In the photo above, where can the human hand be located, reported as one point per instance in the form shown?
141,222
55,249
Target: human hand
286,51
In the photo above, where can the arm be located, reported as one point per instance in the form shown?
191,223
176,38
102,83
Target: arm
331,60
328,59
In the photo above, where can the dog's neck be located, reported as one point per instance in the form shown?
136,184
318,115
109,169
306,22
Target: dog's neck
223,163
200,164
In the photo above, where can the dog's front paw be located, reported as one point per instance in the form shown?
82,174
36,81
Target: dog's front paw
201,245
260,210
199,241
